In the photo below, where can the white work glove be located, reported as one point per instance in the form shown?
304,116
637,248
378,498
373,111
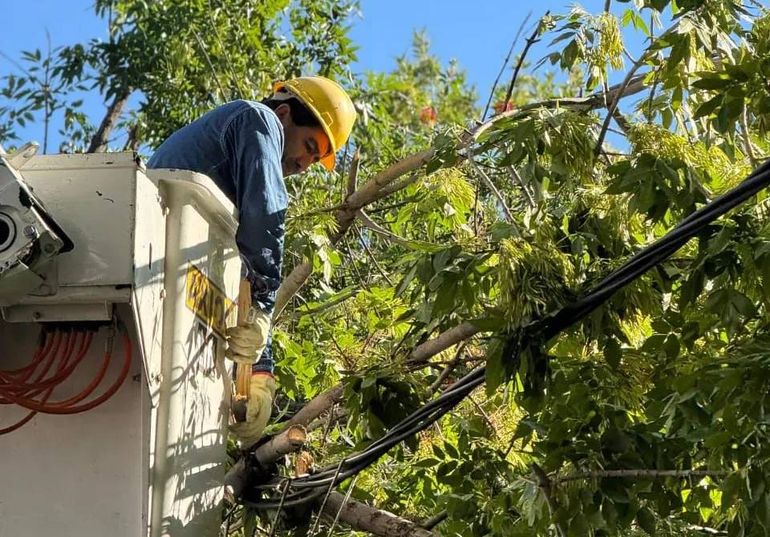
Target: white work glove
258,409
246,342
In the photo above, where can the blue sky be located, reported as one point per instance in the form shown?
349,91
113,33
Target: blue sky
478,34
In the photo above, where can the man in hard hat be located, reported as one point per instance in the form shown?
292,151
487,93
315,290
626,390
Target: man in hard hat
247,148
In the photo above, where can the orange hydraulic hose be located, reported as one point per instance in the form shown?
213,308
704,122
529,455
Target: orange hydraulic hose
66,367
55,408
46,362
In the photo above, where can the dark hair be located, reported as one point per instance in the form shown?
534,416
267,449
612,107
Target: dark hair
300,114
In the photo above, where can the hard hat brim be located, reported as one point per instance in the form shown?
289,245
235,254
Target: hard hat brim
329,161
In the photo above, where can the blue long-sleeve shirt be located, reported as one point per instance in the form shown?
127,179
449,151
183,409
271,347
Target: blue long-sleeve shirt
239,145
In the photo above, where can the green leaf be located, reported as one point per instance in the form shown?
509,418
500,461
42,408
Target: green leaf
646,520
613,353
709,106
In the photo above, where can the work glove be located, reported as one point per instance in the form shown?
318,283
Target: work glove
246,341
258,409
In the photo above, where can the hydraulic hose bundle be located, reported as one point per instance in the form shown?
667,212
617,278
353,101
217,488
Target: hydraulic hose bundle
303,489
59,353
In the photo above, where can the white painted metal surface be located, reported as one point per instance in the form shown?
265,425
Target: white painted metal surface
150,461
192,413
80,475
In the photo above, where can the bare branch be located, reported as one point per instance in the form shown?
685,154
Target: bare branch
523,186
505,63
491,186
447,370
639,473
374,226
747,139
530,41
317,406
546,486
365,194
435,520
373,258
626,82
99,141
353,174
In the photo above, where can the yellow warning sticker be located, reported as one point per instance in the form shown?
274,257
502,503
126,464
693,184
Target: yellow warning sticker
208,302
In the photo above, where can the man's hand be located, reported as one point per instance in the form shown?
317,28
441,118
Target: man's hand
246,342
258,408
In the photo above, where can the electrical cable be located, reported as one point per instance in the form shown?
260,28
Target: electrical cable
539,331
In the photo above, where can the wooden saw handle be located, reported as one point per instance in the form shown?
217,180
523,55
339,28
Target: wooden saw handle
243,371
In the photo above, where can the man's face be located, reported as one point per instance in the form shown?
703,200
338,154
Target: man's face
302,146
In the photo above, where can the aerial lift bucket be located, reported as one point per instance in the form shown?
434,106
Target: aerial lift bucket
138,287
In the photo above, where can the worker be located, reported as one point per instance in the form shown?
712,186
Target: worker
248,148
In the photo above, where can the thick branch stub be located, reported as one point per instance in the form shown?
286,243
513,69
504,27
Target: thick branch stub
289,441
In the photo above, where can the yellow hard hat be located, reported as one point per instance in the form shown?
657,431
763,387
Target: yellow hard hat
329,103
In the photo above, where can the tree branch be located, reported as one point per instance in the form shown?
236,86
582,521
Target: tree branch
361,517
505,62
626,82
546,486
371,191
530,41
99,141
353,174
491,186
345,216
443,341
374,226
639,473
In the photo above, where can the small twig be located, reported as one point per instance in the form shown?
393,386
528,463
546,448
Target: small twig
530,41
373,257
515,174
491,186
280,506
747,139
342,505
505,63
546,486
326,498
626,81
448,369
483,413
228,63
374,226
47,94
353,174
214,73
614,103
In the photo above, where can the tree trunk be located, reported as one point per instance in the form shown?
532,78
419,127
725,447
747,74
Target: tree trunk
99,141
